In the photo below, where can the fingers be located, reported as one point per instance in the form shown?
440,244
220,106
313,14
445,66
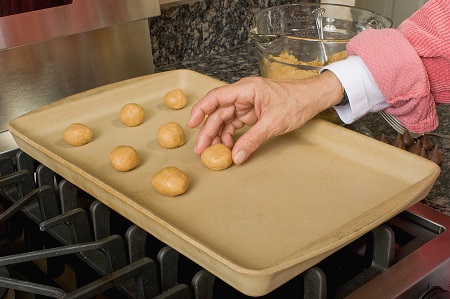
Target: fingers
215,130
196,118
249,142
241,92
270,107
207,105
218,127
223,106
228,132
228,109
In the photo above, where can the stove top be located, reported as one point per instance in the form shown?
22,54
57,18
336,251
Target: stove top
56,241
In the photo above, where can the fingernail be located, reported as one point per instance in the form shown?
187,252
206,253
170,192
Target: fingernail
240,157
196,148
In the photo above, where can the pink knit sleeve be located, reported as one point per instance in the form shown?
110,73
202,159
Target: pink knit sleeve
411,64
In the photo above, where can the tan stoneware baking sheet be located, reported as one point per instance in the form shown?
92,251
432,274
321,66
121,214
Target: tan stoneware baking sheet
298,199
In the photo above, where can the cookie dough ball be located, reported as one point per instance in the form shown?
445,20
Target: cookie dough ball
170,181
175,99
132,114
170,135
124,158
77,134
217,157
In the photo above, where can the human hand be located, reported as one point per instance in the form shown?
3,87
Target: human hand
270,107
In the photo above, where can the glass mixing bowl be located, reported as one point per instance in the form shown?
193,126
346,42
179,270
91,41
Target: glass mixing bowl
295,41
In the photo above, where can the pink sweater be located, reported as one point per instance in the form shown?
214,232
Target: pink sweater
411,64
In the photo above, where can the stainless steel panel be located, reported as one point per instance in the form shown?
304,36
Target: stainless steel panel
34,75
78,17
7,142
425,267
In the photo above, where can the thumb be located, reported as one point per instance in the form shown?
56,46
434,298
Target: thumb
249,142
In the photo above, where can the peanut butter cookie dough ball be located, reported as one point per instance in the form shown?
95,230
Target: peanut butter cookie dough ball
132,114
124,158
175,99
77,134
217,157
170,181
170,135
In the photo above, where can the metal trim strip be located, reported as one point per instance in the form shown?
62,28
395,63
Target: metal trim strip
80,16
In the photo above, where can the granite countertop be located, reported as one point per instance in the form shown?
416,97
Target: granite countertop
240,62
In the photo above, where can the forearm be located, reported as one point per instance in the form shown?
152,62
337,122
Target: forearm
327,91
411,65
428,32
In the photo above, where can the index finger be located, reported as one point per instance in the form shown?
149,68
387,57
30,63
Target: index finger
207,105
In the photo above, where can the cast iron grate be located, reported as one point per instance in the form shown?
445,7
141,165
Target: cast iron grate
55,222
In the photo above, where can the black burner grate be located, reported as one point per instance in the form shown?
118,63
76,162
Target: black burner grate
51,220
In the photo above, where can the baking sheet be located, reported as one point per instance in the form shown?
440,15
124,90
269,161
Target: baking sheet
298,199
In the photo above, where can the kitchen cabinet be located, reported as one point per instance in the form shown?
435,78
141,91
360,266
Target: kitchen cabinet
397,10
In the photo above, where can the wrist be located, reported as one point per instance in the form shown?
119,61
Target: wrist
334,92
344,100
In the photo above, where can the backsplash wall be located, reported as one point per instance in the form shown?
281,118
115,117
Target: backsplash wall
204,28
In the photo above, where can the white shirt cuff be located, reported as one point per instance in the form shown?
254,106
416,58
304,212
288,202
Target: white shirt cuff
363,93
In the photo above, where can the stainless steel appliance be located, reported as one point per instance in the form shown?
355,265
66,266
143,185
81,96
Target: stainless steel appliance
51,53
59,242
